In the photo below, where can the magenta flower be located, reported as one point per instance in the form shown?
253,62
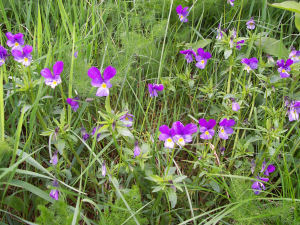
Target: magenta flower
96,131
183,134
202,58
225,128
295,56
250,64
207,128
73,103
54,79
15,41
251,24
284,67
294,110
189,54
270,169
166,136
3,55
137,150
231,2
257,186
54,159
234,105
154,88
103,169
238,44
102,82
182,13
84,134
23,55
127,120
54,193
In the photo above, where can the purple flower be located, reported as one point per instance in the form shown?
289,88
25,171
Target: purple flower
231,2
202,58
294,110
225,128
295,56
54,79
238,44
257,186
102,82
54,159
219,33
76,54
137,150
23,55
84,134
15,41
154,88
103,169
166,136
253,166
182,13
251,24
207,128
183,134
3,55
127,120
189,54
96,131
235,106
73,103
284,67
222,150
270,169
54,194
250,64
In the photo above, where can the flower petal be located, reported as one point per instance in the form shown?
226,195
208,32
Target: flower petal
109,73
46,73
58,68
94,73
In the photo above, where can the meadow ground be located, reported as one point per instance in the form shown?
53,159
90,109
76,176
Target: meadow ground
149,112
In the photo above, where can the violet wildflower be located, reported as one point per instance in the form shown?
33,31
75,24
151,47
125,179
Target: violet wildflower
257,186
76,54
270,169
207,128
137,150
96,131
222,150
238,44
183,134
84,134
225,128
295,56
103,169
73,103
251,24
231,2
127,120
154,88
53,79
102,82
23,55
235,105
3,55
166,136
54,159
284,67
202,58
253,166
294,110
250,64
54,193
182,13
219,33
15,41
189,54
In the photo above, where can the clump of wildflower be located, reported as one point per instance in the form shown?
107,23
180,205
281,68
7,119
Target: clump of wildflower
15,41
207,128
102,82
284,67
183,134
182,13
127,120
154,88
54,159
189,55
84,134
295,56
23,55
231,2
167,136
226,128
53,79
251,24
73,103
3,55
137,150
250,64
202,58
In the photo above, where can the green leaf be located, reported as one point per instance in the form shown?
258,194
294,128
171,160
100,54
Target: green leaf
107,105
172,197
199,44
288,5
297,21
125,132
227,53
272,47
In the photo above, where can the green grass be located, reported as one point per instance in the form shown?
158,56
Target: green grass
142,40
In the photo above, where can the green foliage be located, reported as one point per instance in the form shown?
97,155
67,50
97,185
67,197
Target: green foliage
118,213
